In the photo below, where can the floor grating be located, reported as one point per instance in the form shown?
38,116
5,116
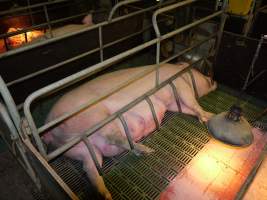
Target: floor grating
178,140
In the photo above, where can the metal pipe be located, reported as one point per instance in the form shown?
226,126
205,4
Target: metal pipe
51,40
10,103
51,171
194,84
153,112
100,37
60,64
156,28
176,96
113,10
87,72
52,67
113,116
39,26
220,33
92,153
90,103
48,21
127,132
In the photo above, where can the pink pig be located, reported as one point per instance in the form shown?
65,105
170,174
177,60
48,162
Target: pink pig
111,139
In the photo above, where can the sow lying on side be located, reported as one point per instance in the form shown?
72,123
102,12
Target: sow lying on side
111,139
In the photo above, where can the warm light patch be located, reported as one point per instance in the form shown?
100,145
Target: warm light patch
18,40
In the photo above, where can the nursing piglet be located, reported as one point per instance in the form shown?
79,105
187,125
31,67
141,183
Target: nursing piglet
111,139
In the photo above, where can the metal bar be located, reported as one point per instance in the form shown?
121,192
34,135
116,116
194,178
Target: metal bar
72,59
52,67
113,10
126,130
220,33
67,115
10,103
194,84
113,116
176,96
148,100
14,136
195,23
87,72
51,171
164,9
48,20
40,26
92,153
25,48
101,43
190,48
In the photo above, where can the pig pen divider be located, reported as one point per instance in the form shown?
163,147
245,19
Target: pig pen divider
87,72
90,28
92,70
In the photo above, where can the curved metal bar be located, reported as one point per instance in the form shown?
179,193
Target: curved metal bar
91,131
157,31
113,10
194,83
176,96
148,100
127,132
167,8
92,153
88,72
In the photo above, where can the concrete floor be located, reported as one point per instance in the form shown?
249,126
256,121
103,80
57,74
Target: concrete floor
258,188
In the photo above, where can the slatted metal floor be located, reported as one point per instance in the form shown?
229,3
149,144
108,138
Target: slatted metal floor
179,139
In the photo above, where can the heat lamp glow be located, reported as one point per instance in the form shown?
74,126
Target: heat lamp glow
18,40
218,171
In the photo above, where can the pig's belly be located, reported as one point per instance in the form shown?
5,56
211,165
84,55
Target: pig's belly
139,119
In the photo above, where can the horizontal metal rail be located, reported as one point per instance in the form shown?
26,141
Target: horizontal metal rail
94,27
167,8
87,72
92,130
40,26
60,64
113,10
131,80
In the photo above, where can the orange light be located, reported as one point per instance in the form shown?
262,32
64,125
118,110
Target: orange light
19,39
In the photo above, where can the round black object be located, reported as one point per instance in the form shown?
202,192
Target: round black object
237,133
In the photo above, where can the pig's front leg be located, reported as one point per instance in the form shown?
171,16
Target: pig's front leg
189,103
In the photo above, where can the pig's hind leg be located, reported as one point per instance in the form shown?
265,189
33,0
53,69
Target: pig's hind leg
139,149
188,99
80,152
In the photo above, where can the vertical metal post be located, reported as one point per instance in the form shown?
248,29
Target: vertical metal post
48,20
100,43
220,32
127,132
10,103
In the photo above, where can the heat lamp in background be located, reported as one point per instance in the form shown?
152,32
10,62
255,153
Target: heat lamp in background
16,34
